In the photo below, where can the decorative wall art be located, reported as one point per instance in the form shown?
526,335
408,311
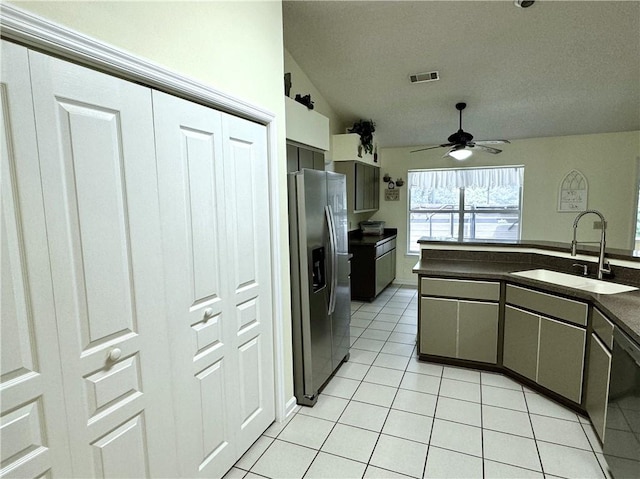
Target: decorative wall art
391,195
573,192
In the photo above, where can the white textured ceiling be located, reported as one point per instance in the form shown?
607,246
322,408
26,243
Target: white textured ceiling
557,68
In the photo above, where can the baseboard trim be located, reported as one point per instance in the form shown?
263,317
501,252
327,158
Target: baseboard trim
290,408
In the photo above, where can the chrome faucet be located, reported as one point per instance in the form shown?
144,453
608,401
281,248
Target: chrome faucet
603,265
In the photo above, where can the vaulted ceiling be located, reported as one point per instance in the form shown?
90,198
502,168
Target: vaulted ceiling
556,68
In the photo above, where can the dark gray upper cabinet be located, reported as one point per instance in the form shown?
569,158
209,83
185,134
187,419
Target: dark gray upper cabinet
300,157
363,185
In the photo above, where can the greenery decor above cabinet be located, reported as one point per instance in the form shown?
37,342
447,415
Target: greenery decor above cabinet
349,147
363,186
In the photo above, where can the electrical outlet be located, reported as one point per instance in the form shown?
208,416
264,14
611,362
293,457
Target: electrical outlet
597,225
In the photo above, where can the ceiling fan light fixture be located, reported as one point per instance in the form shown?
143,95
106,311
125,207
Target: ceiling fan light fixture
460,154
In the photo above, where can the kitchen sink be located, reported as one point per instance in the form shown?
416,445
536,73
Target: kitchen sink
577,282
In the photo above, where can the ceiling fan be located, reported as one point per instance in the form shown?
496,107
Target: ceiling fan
461,143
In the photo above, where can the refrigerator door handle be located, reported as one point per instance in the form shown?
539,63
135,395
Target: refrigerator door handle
334,258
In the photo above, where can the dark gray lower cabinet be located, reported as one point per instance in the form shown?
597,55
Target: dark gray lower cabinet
520,351
561,358
546,351
438,326
597,393
385,270
544,337
478,331
373,267
458,328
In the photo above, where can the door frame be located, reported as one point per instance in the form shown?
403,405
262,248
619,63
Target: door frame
52,38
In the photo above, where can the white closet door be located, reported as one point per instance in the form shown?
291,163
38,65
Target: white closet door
248,262
33,430
95,137
191,182
213,198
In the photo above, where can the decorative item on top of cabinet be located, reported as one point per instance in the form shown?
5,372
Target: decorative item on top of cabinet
305,100
365,130
348,147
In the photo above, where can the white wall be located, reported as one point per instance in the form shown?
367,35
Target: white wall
233,46
301,84
609,162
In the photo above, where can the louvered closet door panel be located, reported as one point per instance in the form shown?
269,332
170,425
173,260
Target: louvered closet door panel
95,137
33,430
248,263
200,307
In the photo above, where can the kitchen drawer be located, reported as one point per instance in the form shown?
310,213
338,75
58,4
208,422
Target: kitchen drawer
455,288
602,327
547,304
385,247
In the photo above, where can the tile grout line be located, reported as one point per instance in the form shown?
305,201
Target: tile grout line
533,432
604,473
433,423
484,474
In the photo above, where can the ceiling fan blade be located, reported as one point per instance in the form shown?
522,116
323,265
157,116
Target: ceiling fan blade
432,147
491,142
447,153
487,149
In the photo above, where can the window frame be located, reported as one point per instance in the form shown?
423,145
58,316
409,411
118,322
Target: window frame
635,220
460,210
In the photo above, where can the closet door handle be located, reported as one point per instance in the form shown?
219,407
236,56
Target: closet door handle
115,354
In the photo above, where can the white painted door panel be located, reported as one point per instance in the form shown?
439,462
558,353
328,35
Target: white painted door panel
33,432
191,179
95,137
249,262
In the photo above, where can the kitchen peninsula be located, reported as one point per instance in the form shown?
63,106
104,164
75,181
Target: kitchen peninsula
473,311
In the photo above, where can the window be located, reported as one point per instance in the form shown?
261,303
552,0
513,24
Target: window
465,204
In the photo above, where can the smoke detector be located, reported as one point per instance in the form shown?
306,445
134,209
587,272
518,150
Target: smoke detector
424,77
523,3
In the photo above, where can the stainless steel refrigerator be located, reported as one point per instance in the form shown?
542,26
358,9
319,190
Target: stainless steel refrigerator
320,283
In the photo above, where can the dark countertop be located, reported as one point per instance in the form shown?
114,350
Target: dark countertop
623,308
356,238
630,255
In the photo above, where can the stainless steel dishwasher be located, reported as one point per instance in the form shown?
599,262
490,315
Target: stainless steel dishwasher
622,430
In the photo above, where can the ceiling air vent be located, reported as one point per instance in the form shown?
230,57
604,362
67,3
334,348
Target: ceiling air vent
424,77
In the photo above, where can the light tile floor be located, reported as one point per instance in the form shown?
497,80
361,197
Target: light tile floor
387,415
